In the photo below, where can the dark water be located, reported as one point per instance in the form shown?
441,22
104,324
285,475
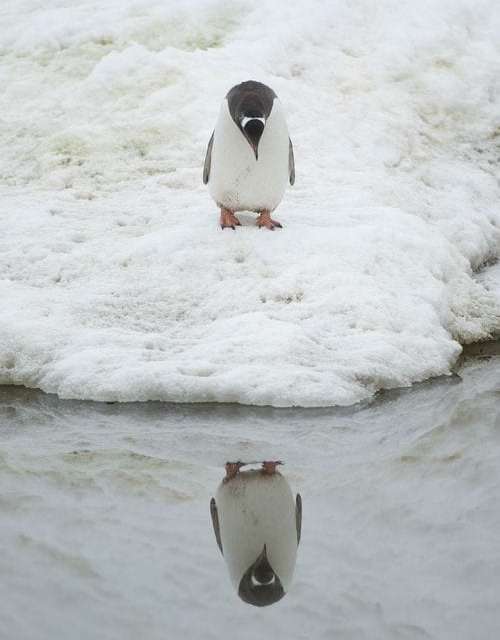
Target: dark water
105,527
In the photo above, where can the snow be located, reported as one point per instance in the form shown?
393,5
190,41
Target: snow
490,278
116,282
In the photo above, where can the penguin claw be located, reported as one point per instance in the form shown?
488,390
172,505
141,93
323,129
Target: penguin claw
228,220
265,220
269,466
232,469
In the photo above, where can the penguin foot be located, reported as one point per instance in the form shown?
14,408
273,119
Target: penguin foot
265,220
228,219
232,469
269,467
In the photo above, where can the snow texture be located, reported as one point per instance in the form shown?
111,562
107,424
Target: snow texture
116,281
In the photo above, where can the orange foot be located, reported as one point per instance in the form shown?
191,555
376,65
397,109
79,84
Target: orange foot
265,220
269,467
232,470
228,219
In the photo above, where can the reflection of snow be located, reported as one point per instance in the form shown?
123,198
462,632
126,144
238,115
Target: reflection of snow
105,525
116,282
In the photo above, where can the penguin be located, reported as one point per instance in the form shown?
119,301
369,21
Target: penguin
249,157
257,526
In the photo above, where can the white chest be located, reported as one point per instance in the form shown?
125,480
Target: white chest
239,181
253,512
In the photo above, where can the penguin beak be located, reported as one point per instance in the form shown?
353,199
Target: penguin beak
253,127
262,570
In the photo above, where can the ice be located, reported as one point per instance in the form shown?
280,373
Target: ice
116,282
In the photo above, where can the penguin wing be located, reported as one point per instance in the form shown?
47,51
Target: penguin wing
208,160
291,162
298,516
215,523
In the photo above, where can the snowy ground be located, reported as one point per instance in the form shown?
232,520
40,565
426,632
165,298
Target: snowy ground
116,282
105,528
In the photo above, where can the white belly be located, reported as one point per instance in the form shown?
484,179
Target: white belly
254,511
238,181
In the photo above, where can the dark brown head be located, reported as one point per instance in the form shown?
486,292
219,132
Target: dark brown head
260,585
250,104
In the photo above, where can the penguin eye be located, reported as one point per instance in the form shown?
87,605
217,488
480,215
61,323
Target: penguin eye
256,583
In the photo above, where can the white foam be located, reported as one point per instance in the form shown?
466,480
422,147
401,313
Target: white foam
115,279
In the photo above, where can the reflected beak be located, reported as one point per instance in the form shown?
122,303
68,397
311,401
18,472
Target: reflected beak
262,570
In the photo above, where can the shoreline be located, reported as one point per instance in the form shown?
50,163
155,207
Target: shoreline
478,351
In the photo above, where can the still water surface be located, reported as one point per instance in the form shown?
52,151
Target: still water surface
105,527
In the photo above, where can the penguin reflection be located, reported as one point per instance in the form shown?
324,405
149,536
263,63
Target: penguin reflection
257,526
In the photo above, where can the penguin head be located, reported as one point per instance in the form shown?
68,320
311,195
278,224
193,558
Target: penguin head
260,585
250,104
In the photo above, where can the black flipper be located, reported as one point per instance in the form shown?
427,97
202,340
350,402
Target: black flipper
215,522
298,516
208,160
291,163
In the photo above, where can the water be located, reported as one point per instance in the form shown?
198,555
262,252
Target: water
106,533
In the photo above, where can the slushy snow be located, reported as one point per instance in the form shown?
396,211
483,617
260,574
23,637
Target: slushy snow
117,283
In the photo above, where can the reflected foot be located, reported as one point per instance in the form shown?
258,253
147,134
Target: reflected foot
265,220
269,466
232,469
228,220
